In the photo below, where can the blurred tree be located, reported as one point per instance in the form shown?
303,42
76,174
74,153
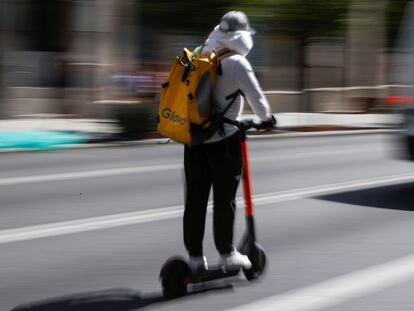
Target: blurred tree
302,20
182,15
395,15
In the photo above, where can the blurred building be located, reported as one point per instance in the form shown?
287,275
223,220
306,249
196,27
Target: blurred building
72,56
56,54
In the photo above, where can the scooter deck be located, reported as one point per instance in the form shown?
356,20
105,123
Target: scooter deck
213,273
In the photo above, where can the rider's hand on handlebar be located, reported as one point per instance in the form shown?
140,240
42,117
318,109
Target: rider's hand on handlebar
245,124
269,124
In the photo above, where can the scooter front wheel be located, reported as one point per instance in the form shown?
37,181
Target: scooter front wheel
174,277
257,257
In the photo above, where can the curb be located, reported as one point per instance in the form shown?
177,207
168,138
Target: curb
152,141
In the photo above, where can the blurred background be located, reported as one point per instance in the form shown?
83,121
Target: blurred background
82,58
94,225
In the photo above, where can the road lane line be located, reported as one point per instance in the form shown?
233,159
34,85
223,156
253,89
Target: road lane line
88,224
338,290
300,193
11,181
87,174
130,218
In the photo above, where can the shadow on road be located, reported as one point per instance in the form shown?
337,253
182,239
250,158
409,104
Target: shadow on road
111,300
397,197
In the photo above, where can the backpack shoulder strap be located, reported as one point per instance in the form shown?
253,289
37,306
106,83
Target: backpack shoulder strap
223,119
233,97
222,54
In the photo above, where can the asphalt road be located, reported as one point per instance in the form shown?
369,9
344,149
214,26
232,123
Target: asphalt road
334,213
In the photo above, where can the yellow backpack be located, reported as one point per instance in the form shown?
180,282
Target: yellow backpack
186,111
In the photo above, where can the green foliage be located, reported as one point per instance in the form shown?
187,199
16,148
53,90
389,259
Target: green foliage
395,15
306,19
300,19
183,15
296,18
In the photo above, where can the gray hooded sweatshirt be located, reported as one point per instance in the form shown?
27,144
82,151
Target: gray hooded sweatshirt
237,75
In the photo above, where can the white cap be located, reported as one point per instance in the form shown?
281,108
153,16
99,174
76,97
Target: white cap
235,21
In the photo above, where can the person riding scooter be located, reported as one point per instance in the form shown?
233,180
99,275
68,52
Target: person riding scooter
217,162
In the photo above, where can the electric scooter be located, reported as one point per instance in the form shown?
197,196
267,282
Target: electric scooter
176,275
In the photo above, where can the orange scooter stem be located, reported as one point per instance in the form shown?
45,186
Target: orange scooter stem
247,187
250,234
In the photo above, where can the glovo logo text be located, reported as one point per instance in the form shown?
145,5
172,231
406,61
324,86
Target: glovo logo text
172,116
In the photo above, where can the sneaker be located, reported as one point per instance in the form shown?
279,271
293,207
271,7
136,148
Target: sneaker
235,260
197,263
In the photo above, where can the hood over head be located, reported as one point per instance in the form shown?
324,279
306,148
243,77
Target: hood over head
239,41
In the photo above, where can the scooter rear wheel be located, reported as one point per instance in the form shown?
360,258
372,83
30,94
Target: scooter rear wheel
174,277
257,257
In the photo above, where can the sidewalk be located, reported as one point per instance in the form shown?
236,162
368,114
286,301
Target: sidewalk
48,131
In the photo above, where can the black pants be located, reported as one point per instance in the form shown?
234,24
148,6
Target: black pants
219,165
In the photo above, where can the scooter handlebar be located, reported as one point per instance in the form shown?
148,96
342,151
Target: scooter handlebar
247,124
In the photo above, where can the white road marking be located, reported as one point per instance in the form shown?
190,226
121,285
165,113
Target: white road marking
88,224
331,188
11,181
338,290
88,174
130,218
